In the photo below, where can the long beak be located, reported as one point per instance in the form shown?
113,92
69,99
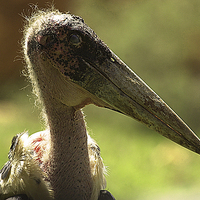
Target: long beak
122,90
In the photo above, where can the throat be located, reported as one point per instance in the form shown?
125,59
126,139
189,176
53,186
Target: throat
69,171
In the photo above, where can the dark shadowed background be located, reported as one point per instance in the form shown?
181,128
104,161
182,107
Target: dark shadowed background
160,41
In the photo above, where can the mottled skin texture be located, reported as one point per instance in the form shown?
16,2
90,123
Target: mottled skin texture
90,68
69,172
70,67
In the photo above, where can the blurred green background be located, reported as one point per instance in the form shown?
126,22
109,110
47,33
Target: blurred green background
160,41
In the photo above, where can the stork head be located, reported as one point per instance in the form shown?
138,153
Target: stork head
77,69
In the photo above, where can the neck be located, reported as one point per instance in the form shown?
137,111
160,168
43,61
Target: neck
69,172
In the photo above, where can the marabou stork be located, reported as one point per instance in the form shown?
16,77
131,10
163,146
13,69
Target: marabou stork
69,68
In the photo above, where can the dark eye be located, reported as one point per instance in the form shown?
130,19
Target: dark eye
75,39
